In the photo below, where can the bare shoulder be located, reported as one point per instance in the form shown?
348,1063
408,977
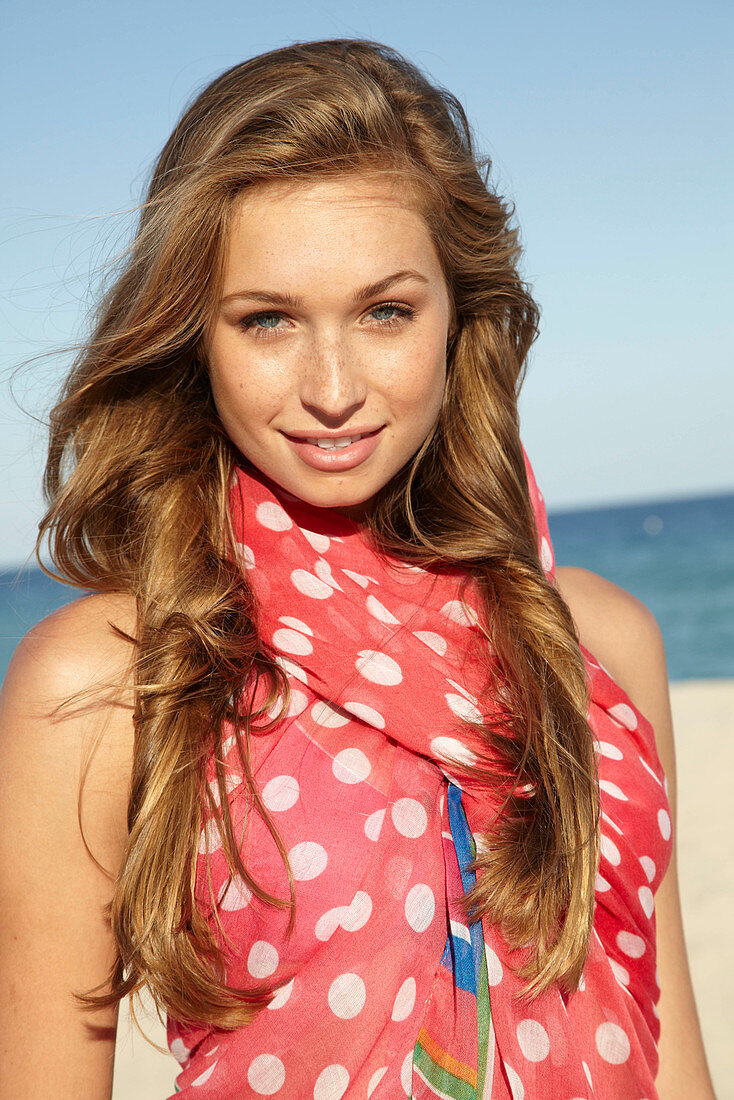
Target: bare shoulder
66,711
66,741
77,646
623,634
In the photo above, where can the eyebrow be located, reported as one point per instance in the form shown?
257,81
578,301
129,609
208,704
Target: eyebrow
370,290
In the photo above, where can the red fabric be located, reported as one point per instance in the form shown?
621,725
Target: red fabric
382,661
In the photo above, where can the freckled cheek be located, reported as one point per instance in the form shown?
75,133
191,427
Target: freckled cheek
416,384
247,393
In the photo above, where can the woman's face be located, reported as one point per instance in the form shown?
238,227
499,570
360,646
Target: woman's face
332,324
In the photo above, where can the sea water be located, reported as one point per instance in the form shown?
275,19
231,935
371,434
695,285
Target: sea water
675,556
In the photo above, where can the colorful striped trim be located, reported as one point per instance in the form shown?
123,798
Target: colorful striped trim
446,1076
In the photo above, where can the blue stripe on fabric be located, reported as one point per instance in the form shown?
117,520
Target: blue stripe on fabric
458,957
464,845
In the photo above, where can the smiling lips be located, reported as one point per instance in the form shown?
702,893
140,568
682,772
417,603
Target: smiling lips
335,452
335,444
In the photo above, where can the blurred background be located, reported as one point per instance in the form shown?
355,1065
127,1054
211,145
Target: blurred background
609,128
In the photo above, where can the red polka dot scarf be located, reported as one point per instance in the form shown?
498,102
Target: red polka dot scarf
383,989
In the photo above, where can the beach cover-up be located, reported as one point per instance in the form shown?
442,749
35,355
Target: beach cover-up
384,989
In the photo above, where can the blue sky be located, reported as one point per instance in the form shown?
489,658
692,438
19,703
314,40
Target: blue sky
609,126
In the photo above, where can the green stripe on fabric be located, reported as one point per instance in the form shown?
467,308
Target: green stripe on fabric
484,1020
445,1082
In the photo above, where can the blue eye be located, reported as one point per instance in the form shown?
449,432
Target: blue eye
262,323
395,313
265,320
383,310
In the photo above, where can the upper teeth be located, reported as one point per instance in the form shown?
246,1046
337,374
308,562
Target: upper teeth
331,444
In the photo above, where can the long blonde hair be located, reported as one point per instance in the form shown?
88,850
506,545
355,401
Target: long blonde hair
137,484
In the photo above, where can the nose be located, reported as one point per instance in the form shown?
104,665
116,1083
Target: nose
333,386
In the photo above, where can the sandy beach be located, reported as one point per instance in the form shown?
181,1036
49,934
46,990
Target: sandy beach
703,712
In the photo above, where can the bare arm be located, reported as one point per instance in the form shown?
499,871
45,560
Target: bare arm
54,936
619,630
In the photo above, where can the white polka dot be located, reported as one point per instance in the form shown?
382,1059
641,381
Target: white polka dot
462,690
378,668
420,906
307,860
646,900
280,793
291,667
210,838
406,1073
612,1044
319,542
367,714
351,766
601,884
234,895
322,569
204,1077
494,966
609,821
358,578
664,824
432,640
405,1000
227,745
613,790
262,960
297,704
373,825
271,515
610,851
245,555
481,844
620,973
179,1050
533,1040
650,772
546,555
331,1083
266,1075
380,612
460,931
458,613
328,923
516,1086
582,983
648,867
452,750
606,748
462,708
347,995
375,1080
587,1071
631,945
291,641
309,585
282,996
356,915
327,715
296,624
409,817
624,715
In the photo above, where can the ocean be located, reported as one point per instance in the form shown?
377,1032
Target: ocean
676,556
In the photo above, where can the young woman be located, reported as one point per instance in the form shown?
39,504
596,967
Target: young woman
326,761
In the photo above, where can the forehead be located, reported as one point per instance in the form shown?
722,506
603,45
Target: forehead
335,223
